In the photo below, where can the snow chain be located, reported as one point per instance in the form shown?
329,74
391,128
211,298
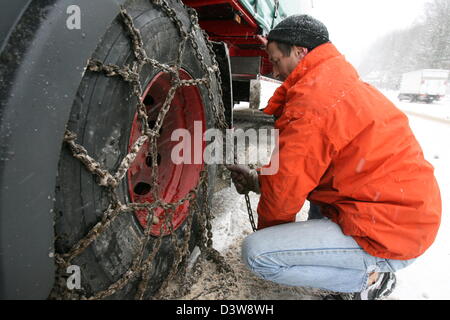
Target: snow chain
142,264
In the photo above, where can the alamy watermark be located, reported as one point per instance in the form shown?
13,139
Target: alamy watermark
74,280
73,22
251,147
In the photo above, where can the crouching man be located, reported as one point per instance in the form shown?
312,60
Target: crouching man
375,203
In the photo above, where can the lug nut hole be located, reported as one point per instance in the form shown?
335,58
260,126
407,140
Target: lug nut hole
142,188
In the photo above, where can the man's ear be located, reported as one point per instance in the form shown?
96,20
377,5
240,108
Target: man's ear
300,52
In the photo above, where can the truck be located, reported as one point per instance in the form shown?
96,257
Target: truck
426,85
91,205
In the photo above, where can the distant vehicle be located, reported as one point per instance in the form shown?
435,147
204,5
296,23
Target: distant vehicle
426,85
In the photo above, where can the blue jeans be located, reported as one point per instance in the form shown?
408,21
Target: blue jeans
314,254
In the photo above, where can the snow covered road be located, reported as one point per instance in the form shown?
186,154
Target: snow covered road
429,276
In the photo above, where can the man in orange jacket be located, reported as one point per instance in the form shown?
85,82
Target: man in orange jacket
349,151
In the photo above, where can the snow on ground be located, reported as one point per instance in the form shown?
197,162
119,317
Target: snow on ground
427,278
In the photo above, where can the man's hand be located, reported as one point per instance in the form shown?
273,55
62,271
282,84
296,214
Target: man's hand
244,179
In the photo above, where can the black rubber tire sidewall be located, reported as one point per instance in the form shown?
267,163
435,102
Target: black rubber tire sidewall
101,117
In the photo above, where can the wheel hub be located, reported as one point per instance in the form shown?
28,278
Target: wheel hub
174,181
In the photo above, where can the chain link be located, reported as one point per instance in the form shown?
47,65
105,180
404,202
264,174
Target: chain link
142,265
250,212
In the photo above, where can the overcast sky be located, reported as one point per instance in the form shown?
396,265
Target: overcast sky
355,24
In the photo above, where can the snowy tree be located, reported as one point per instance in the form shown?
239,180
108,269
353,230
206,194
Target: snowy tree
425,45
436,37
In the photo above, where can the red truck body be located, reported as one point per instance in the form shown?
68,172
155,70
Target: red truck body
228,21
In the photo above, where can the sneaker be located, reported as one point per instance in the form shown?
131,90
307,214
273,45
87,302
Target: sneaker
381,289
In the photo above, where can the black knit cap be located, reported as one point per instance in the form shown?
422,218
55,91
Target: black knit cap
300,30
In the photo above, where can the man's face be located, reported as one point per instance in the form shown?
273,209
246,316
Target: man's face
284,65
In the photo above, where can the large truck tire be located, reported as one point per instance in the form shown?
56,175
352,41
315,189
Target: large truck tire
103,123
104,120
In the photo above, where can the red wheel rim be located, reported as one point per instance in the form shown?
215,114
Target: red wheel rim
174,180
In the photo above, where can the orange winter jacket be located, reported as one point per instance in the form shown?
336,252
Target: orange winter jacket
348,149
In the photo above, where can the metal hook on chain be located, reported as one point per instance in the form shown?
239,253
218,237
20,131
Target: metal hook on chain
247,201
